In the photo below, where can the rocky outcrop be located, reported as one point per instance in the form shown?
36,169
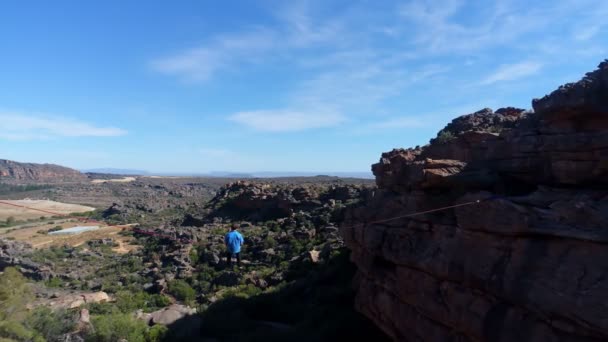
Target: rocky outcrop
14,172
524,258
16,254
74,300
263,201
485,120
168,315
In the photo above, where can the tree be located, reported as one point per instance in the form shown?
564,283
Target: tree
10,220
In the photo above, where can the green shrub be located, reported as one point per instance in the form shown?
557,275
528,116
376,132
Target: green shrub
51,324
157,333
14,294
273,226
182,291
444,137
104,308
114,327
55,229
54,282
128,301
242,291
15,331
158,301
194,256
269,242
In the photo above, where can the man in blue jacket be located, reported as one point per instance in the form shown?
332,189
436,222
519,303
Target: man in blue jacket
234,241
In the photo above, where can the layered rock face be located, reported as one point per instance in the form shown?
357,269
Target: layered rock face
14,172
526,262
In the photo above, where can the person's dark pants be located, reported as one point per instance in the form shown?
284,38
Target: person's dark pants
229,258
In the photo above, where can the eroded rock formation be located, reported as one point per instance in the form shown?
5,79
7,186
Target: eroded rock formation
255,201
528,262
14,172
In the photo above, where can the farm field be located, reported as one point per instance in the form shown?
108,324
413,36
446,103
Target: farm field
38,236
17,213
117,180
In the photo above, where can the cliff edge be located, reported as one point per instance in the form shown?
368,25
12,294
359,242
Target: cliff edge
528,262
14,172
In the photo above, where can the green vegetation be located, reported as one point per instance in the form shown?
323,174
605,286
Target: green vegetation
51,324
128,301
269,242
10,221
182,291
55,229
54,282
277,294
444,137
111,321
53,254
7,189
14,296
114,327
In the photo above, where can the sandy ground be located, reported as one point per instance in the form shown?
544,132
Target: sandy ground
33,236
23,214
118,180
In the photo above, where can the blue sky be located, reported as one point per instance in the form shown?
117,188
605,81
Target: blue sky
320,86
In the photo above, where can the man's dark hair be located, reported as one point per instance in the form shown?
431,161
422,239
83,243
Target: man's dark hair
234,226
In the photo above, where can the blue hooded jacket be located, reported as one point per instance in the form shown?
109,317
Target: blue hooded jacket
233,241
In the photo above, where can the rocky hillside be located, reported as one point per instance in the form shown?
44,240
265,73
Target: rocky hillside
14,172
177,281
527,262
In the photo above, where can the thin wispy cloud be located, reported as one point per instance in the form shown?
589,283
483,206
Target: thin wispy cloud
254,45
303,29
437,26
286,120
200,63
338,62
587,33
24,126
513,72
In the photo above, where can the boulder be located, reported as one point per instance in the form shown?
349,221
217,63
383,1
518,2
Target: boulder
314,256
74,300
254,279
171,314
84,318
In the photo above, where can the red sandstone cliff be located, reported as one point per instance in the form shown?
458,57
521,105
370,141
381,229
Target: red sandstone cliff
14,172
529,265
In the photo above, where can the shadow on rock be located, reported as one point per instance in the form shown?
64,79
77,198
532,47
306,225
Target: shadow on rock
317,307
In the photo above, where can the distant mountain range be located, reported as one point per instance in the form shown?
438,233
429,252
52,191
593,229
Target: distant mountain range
231,174
269,174
11,171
